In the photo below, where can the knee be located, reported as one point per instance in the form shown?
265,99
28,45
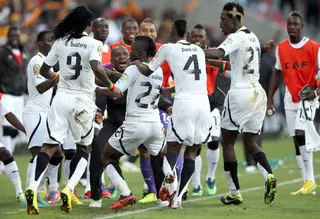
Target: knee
213,145
191,152
4,154
300,140
173,147
198,152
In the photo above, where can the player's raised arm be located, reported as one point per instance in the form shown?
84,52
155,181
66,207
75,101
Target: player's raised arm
50,61
127,78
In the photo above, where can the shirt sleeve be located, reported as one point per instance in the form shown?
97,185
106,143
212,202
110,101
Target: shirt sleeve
37,78
52,57
159,58
96,51
128,77
278,64
3,109
231,44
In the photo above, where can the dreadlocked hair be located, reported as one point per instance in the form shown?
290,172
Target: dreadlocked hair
234,10
73,25
146,44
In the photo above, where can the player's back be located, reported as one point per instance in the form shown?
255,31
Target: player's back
187,63
74,58
37,102
143,96
245,61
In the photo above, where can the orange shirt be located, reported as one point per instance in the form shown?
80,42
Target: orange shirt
299,66
212,73
106,54
121,43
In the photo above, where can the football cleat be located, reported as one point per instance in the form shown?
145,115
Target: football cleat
309,188
165,187
105,192
95,204
151,197
75,200
113,191
211,186
270,189
87,195
232,199
197,191
41,201
123,201
66,200
32,203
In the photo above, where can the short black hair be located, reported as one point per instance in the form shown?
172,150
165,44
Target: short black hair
150,21
146,44
198,26
235,9
181,26
296,14
13,28
42,34
128,20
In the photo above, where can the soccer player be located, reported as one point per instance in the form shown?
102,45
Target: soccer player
142,122
10,165
190,127
245,104
199,37
35,115
100,30
130,30
73,107
297,59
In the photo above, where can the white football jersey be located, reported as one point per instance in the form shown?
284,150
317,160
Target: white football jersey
37,102
143,94
74,58
244,51
188,65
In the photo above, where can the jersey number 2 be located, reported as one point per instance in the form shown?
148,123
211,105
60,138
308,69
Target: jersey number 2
77,67
196,70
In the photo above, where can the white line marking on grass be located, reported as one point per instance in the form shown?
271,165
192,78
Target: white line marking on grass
201,199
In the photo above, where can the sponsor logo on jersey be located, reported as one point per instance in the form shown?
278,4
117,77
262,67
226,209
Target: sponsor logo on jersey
124,77
100,50
228,41
36,69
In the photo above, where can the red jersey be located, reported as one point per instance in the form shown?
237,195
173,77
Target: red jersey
106,54
212,73
121,43
298,66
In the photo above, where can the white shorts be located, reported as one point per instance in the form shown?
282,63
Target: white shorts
72,112
244,110
15,104
68,143
295,118
1,145
35,125
215,123
131,134
190,122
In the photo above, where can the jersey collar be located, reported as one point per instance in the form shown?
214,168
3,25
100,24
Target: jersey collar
41,55
242,28
184,42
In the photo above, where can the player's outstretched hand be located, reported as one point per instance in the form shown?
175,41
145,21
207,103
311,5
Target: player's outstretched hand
117,93
270,45
98,118
270,110
311,94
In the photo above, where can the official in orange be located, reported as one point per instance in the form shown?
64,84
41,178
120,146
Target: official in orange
297,60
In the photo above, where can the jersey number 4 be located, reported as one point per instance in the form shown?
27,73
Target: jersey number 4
196,70
77,67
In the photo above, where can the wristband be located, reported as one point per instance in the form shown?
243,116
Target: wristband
111,86
55,76
226,66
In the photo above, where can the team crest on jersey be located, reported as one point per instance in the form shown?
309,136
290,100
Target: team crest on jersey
36,69
228,41
100,50
124,77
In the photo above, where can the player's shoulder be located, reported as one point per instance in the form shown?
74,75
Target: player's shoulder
91,41
286,41
36,59
132,68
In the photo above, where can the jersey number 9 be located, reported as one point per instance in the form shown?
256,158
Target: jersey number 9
77,67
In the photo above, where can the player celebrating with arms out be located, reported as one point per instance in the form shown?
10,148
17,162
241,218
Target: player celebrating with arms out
297,59
142,122
190,127
73,107
245,104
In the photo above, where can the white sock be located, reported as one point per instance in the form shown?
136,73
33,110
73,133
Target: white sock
308,162
53,177
212,161
34,184
232,186
166,168
302,167
197,172
263,172
117,180
88,186
29,173
14,176
67,170
76,176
